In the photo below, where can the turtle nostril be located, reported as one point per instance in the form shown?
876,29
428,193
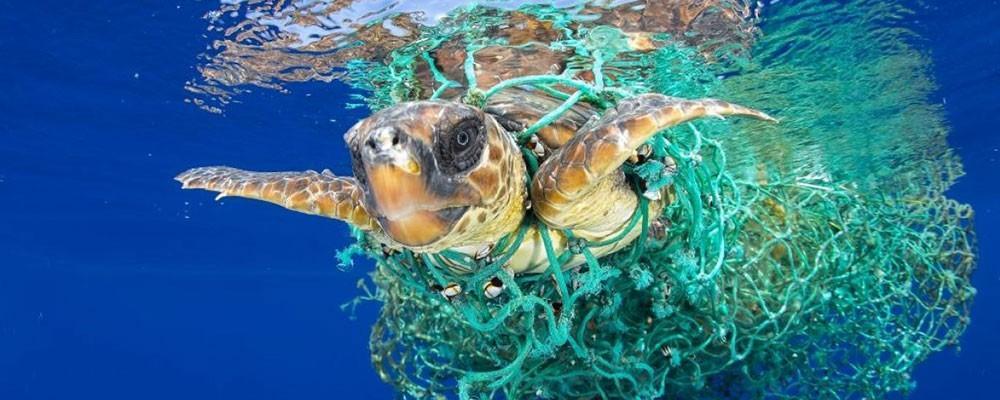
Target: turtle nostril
384,140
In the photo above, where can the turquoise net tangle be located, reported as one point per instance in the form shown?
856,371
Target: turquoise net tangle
756,281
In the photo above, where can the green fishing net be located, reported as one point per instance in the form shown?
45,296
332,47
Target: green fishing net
815,258
752,282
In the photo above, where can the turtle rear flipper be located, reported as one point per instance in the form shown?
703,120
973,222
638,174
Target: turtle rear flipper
307,192
581,187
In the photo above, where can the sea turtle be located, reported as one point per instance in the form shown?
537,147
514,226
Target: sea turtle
433,175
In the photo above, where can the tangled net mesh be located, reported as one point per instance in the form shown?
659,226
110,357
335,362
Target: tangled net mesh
754,281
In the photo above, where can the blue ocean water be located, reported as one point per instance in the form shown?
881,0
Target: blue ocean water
115,284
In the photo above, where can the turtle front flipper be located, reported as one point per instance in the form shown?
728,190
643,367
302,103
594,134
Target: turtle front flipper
581,187
307,192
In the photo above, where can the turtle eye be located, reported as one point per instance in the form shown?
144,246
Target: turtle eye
460,148
464,133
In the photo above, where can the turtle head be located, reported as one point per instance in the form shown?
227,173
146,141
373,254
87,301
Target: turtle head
427,167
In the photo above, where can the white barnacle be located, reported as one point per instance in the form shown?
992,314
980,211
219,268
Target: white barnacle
539,150
536,146
452,290
641,154
483,252
493,288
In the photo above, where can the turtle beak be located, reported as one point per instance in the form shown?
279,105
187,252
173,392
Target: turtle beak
400,196
395,179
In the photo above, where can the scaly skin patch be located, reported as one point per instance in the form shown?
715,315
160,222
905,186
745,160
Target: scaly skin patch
307,192
565,186
501,180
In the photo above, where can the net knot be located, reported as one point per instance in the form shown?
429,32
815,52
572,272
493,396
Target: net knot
577,245
475,97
